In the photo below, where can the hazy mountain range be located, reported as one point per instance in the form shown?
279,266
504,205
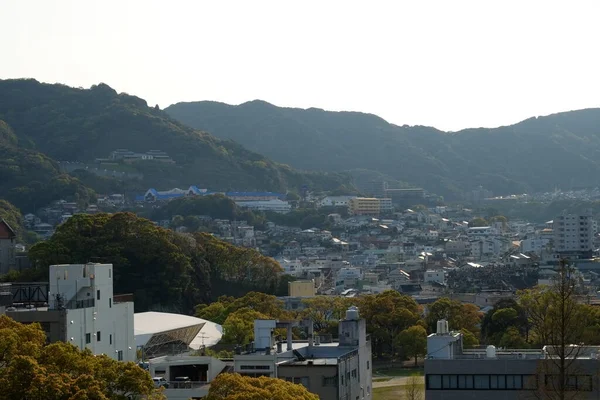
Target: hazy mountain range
538,154
45,123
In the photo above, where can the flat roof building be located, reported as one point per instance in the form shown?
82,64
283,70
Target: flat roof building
455,373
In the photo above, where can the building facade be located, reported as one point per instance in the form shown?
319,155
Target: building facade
83,311
455,373
337,370
302,288
364,206
574,235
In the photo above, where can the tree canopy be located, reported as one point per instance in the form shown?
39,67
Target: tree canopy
29,370
162,268
238,387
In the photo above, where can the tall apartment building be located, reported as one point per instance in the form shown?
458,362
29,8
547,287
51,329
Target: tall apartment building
83,311
574,235
364,206
455,373
335,371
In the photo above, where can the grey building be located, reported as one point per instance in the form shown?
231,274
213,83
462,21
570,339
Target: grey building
574,235
452,372
336,370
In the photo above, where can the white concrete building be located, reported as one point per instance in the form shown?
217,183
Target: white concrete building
335,201
534,245
574,233
437,276
275,205
94,320
84,311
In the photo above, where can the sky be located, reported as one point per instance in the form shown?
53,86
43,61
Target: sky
449,64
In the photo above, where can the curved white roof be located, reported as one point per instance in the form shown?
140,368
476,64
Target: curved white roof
147,324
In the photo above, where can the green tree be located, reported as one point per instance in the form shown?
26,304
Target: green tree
238,387
559,322
459,316
476,222
469,339
413,342
238,328
30,370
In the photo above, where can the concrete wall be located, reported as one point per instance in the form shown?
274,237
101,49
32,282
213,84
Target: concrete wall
54,322
315,375
504,367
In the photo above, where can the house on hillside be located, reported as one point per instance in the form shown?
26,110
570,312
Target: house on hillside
8,239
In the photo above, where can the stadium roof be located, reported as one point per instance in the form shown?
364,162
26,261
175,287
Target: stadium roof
154,324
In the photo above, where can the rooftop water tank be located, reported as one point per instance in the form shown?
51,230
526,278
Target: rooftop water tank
490,351
352,313
442,327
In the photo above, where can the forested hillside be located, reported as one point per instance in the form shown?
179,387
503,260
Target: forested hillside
69,124
534,155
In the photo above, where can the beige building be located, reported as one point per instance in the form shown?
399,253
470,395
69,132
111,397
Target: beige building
304,288
364,206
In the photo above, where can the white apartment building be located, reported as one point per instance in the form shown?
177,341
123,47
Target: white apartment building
534,245
335,201
83,311
437,276
574,234
275,205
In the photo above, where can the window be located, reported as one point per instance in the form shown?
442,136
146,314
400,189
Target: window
88,338
120,355
110,302
434,381
330,381
368,364
490,382
98,336
110,273
481,381
110,339
581,383
354,373
98,294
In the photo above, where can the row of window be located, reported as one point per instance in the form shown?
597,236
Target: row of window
481,382
88,338
505,382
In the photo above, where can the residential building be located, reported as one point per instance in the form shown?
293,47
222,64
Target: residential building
8,240
386,206
364,206
574,235
303,288
455,373
435,276
274,205
336,370
335,201
82,310
534,245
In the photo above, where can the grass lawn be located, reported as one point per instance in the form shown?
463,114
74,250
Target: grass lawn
385,372
391,392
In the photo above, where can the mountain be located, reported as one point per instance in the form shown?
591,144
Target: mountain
82,125
534,155
30,179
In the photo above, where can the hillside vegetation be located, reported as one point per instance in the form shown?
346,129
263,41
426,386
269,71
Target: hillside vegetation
70,124
534,155
30,179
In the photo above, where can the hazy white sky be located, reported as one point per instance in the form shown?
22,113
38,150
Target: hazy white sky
450,64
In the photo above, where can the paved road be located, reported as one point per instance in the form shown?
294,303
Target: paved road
396,381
